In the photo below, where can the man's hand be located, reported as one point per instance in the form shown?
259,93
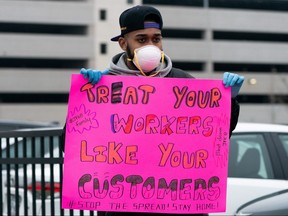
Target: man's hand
93,76
233,80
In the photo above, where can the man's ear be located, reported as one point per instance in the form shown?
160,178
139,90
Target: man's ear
122,43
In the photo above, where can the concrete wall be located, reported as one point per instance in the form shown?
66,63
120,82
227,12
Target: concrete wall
48,46
86,13
212,51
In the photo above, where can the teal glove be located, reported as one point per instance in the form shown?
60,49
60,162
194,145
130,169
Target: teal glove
233,80
93,76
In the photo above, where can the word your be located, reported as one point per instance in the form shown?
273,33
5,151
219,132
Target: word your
195,159
149,188
201,99
141,94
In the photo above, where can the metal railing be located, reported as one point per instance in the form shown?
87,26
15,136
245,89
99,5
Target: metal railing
31,163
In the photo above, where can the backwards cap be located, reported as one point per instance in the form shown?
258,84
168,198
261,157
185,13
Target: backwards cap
133,19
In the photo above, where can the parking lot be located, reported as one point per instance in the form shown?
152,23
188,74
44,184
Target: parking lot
32,166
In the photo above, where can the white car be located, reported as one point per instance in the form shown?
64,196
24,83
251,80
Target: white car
14,148
258,163
271,204
42,181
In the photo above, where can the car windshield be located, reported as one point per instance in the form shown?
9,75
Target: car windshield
249,158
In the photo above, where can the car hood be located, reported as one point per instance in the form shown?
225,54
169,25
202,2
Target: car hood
271,204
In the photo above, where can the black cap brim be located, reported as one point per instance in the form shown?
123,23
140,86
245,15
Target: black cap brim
116,38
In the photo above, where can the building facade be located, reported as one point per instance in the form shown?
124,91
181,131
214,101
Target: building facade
43,42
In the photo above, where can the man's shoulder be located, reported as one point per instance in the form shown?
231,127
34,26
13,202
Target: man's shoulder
179,73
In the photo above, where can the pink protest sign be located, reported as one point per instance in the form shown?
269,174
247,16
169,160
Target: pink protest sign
137,144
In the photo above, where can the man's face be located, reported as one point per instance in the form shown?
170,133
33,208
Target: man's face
143,37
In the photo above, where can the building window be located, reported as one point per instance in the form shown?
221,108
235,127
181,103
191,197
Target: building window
250,36
103,14
194,3
42,63
190,66
251,67
183,33
33,28
37,98
275,5
103,48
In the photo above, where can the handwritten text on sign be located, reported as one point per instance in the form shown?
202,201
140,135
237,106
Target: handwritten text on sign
147,145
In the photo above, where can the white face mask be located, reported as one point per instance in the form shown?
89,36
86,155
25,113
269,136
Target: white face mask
147,58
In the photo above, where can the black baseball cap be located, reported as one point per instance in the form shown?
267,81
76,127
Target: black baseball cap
133,19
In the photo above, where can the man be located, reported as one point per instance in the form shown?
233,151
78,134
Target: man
141,41
143,55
